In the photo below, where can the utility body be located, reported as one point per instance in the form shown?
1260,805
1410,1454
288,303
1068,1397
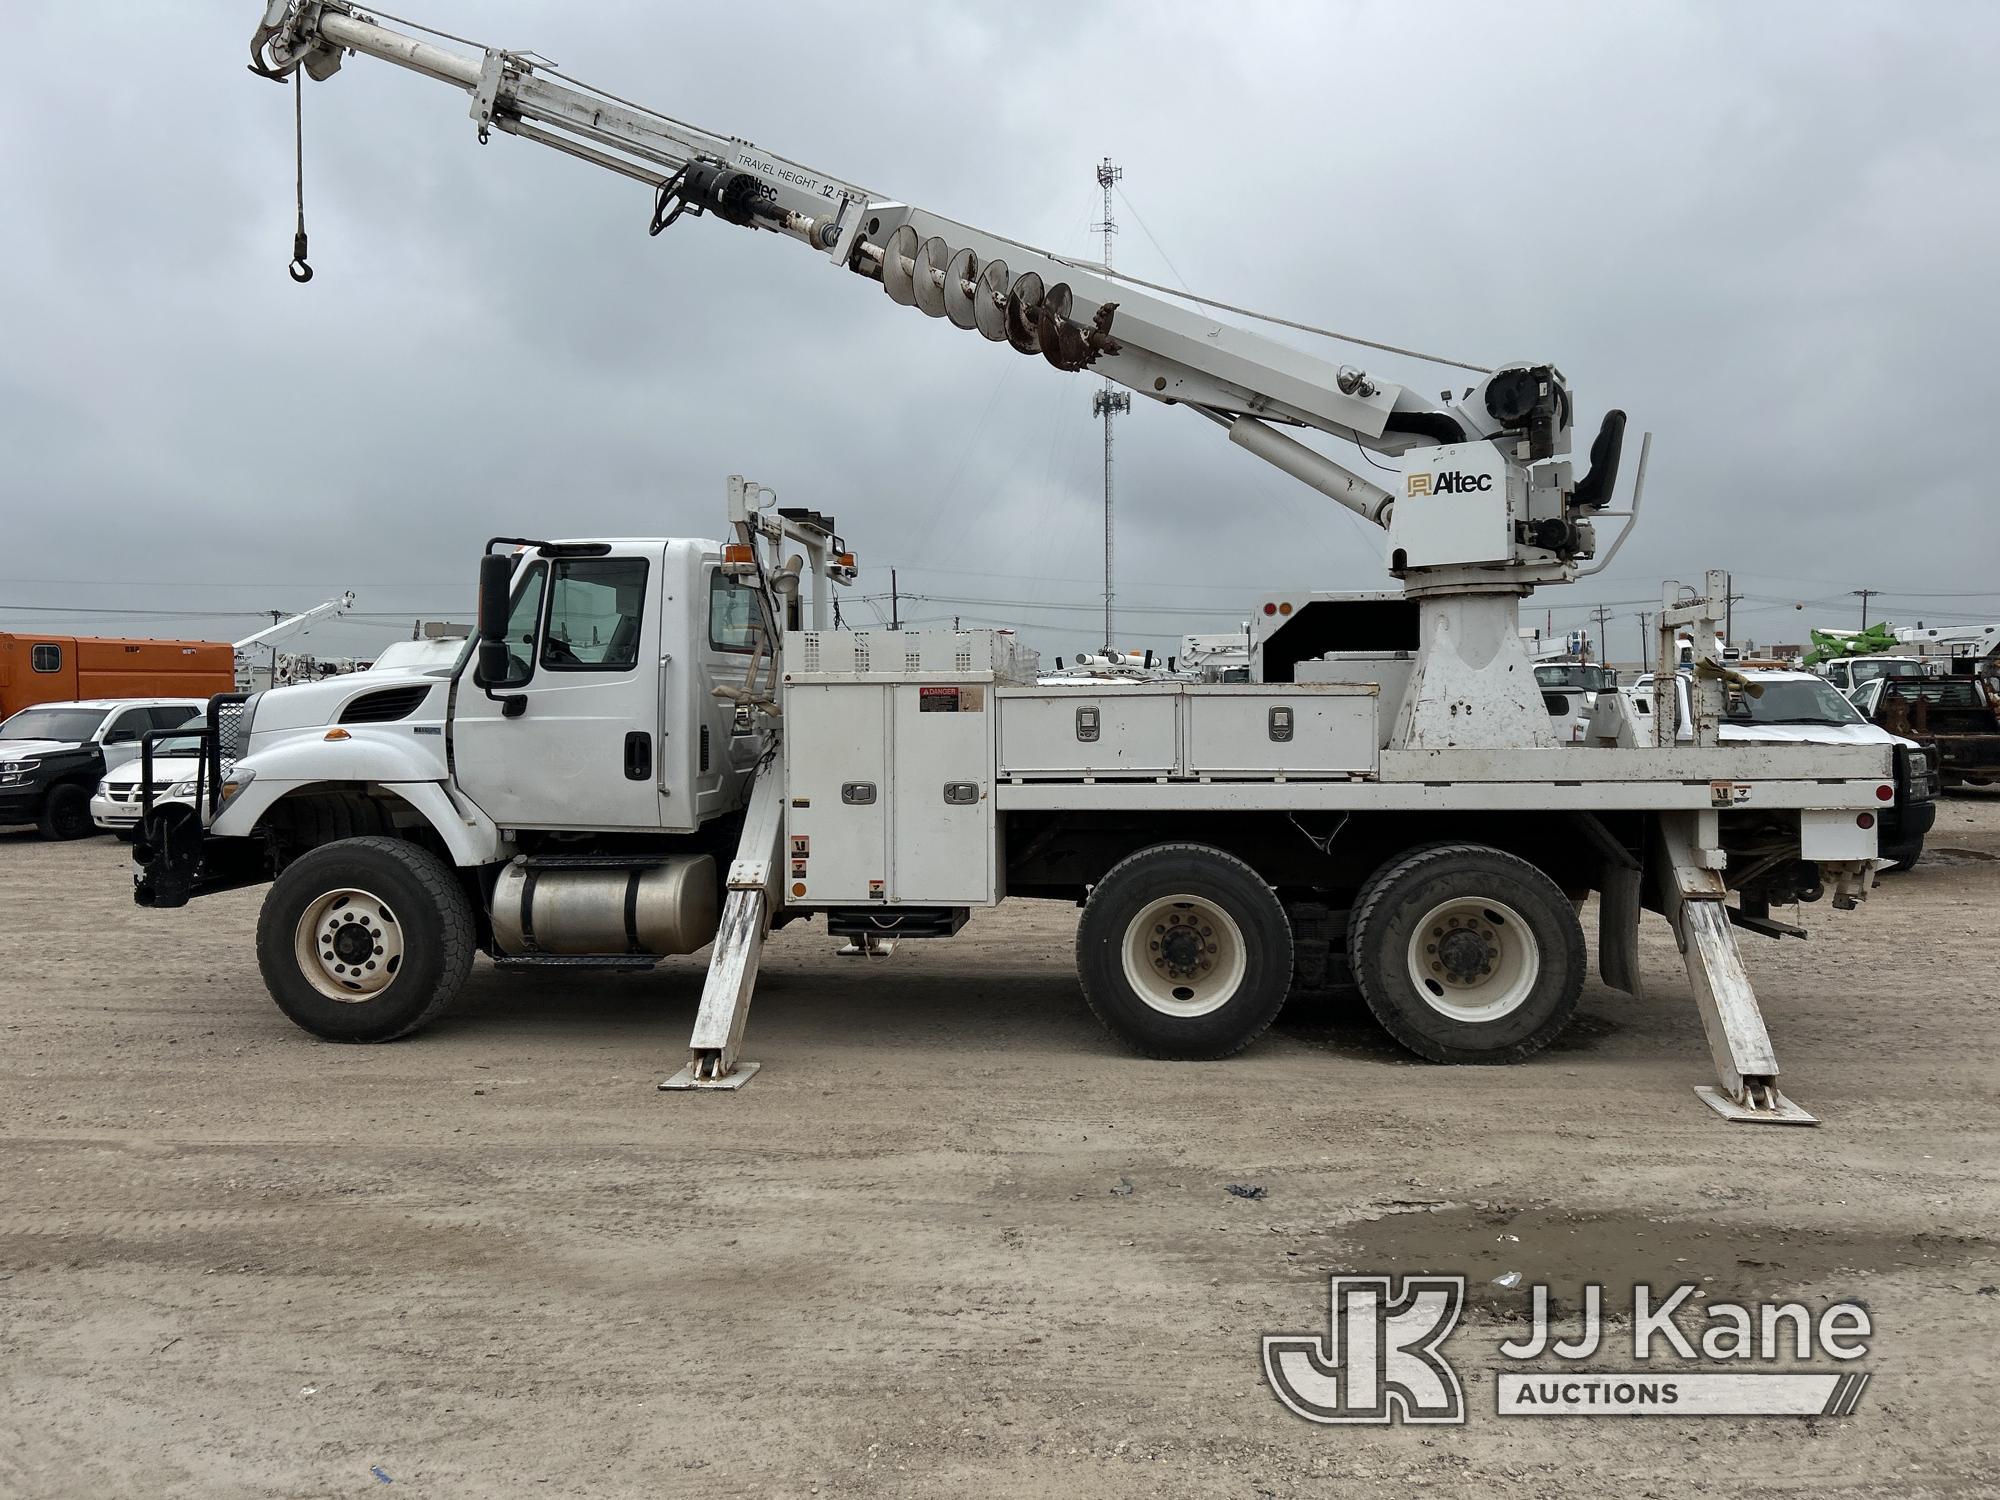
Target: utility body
656,746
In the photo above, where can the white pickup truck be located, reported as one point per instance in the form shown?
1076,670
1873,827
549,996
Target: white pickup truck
1804,709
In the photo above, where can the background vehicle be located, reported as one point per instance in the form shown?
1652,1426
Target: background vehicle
118,801
53,755
72,668
1569,691
1803,709
1958,716
1850,673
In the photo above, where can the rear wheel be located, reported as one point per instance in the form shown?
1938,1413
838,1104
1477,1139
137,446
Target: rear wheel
66,813
1184,952
366,939
1466,954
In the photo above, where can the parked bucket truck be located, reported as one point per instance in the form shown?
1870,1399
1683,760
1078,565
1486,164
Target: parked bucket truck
661,745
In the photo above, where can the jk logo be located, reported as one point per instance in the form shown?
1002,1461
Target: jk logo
1379,1360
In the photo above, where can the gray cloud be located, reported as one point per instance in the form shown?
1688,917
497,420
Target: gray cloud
1765,231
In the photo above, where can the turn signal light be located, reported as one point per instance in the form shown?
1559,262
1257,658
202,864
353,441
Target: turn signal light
845,559
736,552
338,734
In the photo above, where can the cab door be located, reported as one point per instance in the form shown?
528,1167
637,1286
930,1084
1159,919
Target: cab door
581,750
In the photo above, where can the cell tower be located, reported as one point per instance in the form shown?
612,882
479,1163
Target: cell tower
1110,401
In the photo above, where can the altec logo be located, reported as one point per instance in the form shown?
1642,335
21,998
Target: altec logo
1451,482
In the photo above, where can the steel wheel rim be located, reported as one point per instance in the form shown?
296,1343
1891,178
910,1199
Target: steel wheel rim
349,945
1473,959
1184,956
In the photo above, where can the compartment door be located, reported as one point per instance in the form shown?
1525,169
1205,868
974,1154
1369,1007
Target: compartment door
837,794
942,828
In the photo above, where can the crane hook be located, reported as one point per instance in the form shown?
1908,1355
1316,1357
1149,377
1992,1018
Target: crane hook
300,271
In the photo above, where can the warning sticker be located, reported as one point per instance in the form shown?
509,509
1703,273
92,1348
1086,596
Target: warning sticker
938,700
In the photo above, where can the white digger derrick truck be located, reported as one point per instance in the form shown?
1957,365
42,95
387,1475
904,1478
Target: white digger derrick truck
655,746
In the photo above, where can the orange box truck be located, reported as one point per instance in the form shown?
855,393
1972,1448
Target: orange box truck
61,668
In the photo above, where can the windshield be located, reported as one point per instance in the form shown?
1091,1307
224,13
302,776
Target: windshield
1581,677
1792,701
179,744
1868,671
70,724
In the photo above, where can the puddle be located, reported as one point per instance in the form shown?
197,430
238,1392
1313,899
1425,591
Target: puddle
1566,1250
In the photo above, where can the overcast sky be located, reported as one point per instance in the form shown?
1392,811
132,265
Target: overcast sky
1767,231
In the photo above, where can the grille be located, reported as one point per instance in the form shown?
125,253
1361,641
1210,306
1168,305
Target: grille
913,661
812,652
227,716
385,706
860,652
704,747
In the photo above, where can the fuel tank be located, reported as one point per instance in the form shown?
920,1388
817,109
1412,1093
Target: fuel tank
663,906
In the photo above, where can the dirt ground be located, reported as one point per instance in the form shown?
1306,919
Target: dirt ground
493,1259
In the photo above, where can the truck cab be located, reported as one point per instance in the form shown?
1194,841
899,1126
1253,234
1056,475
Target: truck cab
1850,673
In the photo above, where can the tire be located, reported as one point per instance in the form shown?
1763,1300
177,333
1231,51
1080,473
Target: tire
1904,857
1238,952
1518,928
369,902
66,813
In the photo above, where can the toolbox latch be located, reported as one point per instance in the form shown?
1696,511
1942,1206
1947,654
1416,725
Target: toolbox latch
1086,723
1279,722
857,793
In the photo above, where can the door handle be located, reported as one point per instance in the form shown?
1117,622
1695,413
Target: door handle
638,755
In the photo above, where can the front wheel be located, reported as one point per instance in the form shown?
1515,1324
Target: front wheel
66,813
1184,952
365,939
1466,954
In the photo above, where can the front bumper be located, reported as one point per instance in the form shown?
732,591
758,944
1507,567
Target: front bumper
1907,824
176,859
117,816
21,804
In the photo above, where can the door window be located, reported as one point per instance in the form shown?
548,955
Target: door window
127,727
595,607
173,716
735,623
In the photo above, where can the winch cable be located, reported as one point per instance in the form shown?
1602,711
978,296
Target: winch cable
301,272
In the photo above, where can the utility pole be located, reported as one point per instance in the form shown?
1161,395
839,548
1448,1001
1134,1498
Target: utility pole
1729,609
1109,401
1644,655
895,618
1602,614
1864,595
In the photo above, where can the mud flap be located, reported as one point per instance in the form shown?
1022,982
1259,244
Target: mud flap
1618,901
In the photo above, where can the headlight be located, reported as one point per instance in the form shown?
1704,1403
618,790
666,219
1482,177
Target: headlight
15,765
183,788
104,789
233,784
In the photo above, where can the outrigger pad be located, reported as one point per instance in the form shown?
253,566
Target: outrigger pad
1782,1111
685,1079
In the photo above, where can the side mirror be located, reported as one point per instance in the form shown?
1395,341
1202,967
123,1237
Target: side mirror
493,664
496,580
